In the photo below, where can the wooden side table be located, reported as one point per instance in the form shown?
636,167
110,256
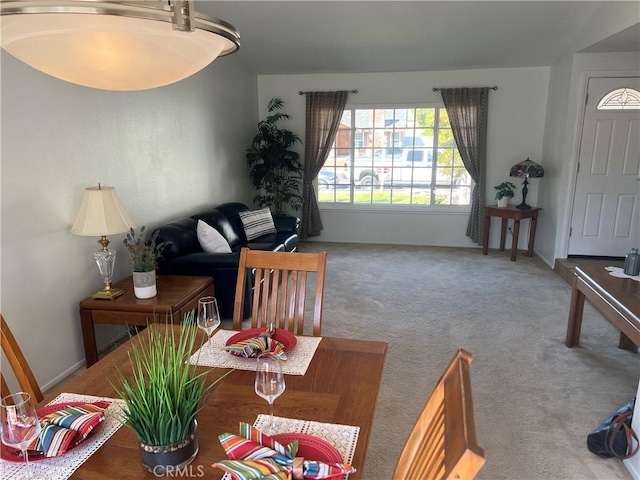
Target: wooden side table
506,213
177,294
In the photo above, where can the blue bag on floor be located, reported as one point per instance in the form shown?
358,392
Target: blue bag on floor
613,438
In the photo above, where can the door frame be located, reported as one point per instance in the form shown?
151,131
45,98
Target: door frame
577,141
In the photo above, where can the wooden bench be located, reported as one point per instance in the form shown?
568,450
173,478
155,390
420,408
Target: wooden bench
617,299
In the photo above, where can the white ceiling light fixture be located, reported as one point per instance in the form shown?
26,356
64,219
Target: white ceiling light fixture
134,45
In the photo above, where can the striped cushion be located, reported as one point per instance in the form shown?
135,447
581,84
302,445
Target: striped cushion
257,223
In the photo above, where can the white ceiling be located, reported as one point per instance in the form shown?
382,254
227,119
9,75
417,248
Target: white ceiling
289,37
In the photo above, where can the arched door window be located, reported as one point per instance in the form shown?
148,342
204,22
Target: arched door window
620,99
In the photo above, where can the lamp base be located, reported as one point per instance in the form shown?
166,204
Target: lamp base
108,294
523,205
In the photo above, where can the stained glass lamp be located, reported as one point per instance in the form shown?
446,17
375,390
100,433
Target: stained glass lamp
526,169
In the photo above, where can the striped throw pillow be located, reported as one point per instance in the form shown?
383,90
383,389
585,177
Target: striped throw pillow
257,223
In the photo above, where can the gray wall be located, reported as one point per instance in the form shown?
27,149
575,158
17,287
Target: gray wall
563,124
516,130
168,152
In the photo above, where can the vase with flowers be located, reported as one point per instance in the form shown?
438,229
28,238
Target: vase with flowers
144,258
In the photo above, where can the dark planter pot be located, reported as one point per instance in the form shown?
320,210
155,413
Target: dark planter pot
169,458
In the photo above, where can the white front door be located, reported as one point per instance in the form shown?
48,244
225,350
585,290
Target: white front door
606,208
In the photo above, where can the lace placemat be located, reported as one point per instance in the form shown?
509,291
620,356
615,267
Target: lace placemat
212,354
343,437
619,272
61,468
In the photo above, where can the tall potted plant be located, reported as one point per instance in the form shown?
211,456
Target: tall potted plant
276,171
163,394
144,258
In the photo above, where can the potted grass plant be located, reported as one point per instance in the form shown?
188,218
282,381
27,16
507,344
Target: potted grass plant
163,394
144,258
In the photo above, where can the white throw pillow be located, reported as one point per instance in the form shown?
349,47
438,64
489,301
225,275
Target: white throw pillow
211,240
257,223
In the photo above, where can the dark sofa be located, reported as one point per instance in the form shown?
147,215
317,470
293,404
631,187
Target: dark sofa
184,256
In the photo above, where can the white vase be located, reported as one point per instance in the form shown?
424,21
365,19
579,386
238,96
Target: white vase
503,202
144,284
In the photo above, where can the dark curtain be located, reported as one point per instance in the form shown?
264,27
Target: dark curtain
324,112
468,111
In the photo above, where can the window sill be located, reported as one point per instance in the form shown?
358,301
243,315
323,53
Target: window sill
395,209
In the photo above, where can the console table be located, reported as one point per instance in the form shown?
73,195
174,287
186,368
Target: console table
506,213
617,299
177,295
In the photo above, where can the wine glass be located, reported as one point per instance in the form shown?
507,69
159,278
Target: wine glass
269,383
20,424
208,316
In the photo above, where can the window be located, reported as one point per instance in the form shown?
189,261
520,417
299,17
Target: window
620,99
394,156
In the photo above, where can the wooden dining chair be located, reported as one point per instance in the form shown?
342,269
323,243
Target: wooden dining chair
443,444
19,365
279,288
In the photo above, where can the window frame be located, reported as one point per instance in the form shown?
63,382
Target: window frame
393,207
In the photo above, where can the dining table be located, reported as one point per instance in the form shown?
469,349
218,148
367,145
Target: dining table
340,386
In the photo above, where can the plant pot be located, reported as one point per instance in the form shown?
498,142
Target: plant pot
503,202
144,284
169,458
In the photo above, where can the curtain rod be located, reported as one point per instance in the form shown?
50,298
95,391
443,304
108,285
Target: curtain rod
302,93
435,89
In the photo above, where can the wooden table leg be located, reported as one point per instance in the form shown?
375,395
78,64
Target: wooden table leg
88,337
532,235
514,243
485,240
503,233
575,316
627,344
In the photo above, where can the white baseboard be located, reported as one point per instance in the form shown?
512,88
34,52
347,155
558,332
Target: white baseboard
54,381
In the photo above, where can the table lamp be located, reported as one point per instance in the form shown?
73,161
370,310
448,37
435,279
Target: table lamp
526,170
102,214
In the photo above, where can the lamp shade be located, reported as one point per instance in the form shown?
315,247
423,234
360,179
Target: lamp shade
101,213
527,169
114,45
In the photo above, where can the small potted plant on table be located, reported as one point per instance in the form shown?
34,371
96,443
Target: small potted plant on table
505,191
144,258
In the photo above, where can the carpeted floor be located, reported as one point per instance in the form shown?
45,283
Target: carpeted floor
535,399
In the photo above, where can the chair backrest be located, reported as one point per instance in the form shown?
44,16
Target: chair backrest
280,281
443,444
19,365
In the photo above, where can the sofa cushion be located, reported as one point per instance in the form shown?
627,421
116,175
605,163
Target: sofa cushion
275,241
231,211
257,223
286,223
180,238
211,240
